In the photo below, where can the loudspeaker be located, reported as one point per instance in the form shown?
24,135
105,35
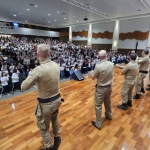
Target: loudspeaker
77,75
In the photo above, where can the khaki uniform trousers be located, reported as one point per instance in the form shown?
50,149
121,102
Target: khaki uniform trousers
46,112
140,82
102,94
126,94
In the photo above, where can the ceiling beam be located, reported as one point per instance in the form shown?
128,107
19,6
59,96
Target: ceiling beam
88,8
145,4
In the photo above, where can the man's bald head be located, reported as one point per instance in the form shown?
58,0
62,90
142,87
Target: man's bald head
102,54
43,51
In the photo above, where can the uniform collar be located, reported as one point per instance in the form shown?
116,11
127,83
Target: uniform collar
103,60
45,61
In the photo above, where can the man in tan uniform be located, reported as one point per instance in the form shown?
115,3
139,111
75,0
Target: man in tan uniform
143,67
104,74
47,77
129,71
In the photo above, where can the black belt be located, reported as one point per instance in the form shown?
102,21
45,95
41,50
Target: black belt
141,71
48,99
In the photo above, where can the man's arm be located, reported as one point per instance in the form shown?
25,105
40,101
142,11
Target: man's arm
125,69
141,60
94,74
30,81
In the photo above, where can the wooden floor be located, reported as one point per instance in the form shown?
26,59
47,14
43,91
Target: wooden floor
129,130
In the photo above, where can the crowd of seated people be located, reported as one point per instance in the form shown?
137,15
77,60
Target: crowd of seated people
18,59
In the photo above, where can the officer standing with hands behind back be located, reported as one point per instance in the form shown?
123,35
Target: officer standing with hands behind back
103,72
46,75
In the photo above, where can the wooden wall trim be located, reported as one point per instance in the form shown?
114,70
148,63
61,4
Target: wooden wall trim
80,33
138,35
104,35
64,34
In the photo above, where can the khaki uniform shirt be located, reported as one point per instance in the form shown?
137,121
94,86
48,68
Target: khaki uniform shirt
130,71
104,73
46,76
144,63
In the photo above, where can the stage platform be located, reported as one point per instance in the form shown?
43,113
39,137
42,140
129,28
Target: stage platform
128,130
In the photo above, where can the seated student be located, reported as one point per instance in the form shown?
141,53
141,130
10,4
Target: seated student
15,81
4,82
71,72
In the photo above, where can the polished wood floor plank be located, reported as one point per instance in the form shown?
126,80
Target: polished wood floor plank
128,130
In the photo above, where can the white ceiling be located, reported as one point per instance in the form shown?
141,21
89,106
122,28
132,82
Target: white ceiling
119,9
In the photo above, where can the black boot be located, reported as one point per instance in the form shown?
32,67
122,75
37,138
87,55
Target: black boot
52,148
123,106
148,89
57,141
137,96
129,103
142,90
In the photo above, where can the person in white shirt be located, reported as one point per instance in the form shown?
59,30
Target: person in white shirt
11,68
15,81
4,82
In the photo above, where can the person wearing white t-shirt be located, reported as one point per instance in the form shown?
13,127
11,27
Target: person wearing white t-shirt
11,68
4,82
15,81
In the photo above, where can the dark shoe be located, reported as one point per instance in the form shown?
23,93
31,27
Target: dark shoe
148,84
94,124
148,89
137,96
129,103
108,118
52,148
142,90
57,141
123,106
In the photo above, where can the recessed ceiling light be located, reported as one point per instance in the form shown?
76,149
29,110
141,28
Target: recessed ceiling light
57,12
48,21
77,21
73,16
28,9
26,21
64,18
14,15
19,13
36,6
49,14
52,25
55,20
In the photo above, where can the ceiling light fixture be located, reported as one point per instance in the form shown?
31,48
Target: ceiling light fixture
48,21
49,14
73,16
55,20
64,18
36,6
57,12
28,9
26,21
52,25
14,15
19,13
77,21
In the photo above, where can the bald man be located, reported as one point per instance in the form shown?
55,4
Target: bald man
103,72
47,77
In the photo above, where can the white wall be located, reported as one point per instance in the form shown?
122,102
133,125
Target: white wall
26,31
102,27
140,24
78,29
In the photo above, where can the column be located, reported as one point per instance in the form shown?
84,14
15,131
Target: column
89,42
116,35
70,35
148,40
